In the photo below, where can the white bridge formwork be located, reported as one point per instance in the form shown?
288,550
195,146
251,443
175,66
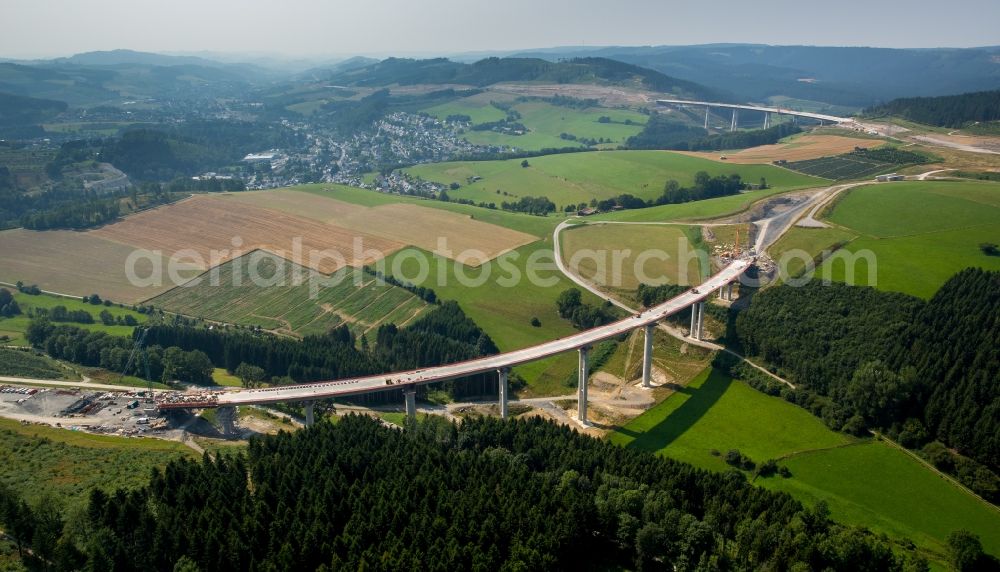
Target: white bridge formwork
736,107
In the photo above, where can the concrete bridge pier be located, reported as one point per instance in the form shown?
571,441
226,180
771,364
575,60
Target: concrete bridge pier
707,109
227,420
726,292
309,407
504,372
694,320
647,356
410,393
697,320
767,120
732,126
701,318
581,394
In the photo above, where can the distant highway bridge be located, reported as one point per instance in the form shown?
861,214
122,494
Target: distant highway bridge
708,105
721,283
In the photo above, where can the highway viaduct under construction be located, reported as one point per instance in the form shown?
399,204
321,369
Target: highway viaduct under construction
720,284
767,111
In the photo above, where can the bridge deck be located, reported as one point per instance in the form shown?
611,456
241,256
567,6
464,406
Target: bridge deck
778,110
382,382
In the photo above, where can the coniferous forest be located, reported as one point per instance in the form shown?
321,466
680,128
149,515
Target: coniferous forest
486,495
444,335
946,110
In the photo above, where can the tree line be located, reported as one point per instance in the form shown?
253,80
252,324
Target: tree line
582,315
922,372
705,187
944,111
100,349
483,495
188,353
663,133
8,305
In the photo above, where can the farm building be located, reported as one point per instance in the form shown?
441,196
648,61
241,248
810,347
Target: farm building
889,177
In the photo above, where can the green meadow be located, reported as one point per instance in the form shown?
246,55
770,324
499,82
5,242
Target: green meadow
864,482
535,225
15,326
919,233
800,245
875,485
545,123
573,178
62,466
502,299
609,254
715,412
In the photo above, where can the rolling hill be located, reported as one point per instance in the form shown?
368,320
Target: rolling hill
490,71
853,77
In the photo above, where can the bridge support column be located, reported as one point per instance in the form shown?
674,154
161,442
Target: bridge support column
309,406
410,394
503,372
581,392
732,126
647,356
701,319
767,120
707,109
694,319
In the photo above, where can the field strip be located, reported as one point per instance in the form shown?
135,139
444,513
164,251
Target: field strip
376,299
935,470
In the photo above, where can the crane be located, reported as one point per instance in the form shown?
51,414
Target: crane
136,349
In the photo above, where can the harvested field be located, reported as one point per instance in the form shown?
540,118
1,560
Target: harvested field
798,149
75,263
404,223
207,226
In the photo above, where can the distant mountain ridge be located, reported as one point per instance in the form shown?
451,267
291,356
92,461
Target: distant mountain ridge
119,57
490,71
848,76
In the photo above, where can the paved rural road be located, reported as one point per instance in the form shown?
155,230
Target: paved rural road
817,203
61,383
664,326
923,176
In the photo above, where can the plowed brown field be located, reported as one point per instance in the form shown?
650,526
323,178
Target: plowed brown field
207,227
400,222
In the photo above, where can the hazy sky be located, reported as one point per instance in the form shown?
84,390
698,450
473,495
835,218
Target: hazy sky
36,28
